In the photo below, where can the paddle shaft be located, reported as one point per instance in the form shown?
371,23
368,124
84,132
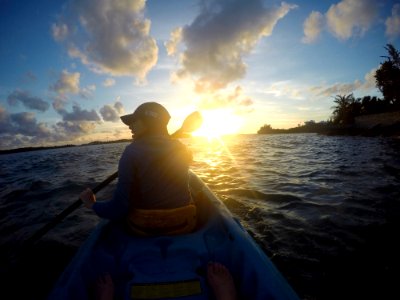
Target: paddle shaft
58,218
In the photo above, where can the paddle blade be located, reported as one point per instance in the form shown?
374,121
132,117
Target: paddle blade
192,122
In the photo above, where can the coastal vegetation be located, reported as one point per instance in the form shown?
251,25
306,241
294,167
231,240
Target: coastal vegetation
347,108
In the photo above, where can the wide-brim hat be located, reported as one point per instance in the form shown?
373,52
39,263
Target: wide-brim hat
149,112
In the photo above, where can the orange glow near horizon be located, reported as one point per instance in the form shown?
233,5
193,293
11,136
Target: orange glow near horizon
217,123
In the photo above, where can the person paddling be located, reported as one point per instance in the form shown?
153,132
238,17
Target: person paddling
152,192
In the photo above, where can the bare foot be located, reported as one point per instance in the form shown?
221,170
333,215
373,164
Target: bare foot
221,281
104,288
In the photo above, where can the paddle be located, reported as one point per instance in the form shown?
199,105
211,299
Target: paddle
191,123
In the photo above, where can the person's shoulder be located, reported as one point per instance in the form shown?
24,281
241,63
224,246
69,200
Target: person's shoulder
133,148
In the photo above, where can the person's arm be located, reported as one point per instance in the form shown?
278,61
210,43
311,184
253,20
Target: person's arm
118,206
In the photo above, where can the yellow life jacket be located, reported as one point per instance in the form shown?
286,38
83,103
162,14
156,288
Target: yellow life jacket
163,221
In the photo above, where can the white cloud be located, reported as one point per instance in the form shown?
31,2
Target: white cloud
175,39
312,27
233,99
285,89
346,88
337,88
67,83
111,37
219,37
393,23
370,81
351,17
109,82
87,92
59,32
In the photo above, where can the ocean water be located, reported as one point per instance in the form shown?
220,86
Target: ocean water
325,209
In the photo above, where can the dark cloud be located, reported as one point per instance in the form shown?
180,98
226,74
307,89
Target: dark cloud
119,107
27,100
111,113
79,114
22,129
72,130
23,123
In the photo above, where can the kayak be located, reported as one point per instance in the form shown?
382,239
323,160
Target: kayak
174,267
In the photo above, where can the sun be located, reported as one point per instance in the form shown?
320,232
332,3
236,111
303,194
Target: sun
217,123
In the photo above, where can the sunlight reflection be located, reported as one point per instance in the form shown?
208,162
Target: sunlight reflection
215,162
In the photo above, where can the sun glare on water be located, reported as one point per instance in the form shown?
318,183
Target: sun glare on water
217,123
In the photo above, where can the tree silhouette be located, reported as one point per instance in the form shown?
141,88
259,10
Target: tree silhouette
265,129
345,110
388,77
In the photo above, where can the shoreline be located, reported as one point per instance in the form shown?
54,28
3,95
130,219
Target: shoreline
350,130
29,149
376,131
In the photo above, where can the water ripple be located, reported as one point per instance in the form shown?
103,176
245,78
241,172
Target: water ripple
326,209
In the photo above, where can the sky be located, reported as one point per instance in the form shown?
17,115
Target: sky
69,69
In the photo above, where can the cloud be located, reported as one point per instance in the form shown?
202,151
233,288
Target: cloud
87,92
111,113
79,114
22,129
218,39
67,83
351,17
119,107
23,123
71,130
31,102
393,23
59,102
175,39
226,99
344,20
59,31
312,27
111,37
337,88
284,89
109,82
370,81
346,88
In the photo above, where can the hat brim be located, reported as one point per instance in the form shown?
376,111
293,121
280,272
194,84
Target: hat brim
128,119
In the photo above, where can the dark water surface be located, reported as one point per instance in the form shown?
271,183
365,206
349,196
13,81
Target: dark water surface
325,209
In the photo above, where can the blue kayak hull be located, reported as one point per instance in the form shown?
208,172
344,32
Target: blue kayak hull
174,267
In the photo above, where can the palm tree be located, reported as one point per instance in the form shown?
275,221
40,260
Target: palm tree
388,77
344,110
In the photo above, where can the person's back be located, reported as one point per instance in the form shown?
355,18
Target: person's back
161,173
152,190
